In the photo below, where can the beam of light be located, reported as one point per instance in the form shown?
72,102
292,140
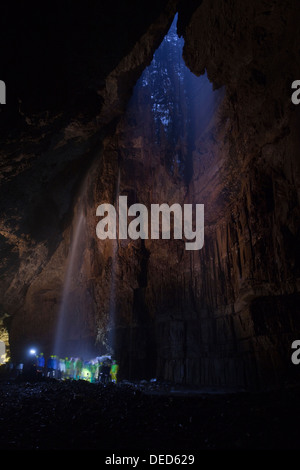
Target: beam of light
113,290
73,263
182,105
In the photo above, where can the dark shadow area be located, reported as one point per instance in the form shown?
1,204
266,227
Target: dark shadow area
76,415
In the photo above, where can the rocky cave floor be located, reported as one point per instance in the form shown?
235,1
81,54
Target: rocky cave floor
64,415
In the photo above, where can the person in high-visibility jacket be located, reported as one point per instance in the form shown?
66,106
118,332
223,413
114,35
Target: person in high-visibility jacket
114,371
78,368
68,368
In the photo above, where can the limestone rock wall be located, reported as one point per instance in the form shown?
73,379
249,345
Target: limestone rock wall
249,276
226,315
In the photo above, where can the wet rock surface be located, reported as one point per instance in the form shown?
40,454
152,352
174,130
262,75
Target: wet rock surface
52,414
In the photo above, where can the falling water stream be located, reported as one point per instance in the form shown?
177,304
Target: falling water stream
72,269
112,295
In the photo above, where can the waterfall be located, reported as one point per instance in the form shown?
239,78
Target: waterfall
112,294
77,246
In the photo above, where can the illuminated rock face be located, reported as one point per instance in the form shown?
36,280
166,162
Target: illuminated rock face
225,315
4,342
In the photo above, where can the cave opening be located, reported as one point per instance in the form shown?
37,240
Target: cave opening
176,105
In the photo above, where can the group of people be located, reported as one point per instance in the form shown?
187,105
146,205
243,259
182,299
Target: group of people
101,369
